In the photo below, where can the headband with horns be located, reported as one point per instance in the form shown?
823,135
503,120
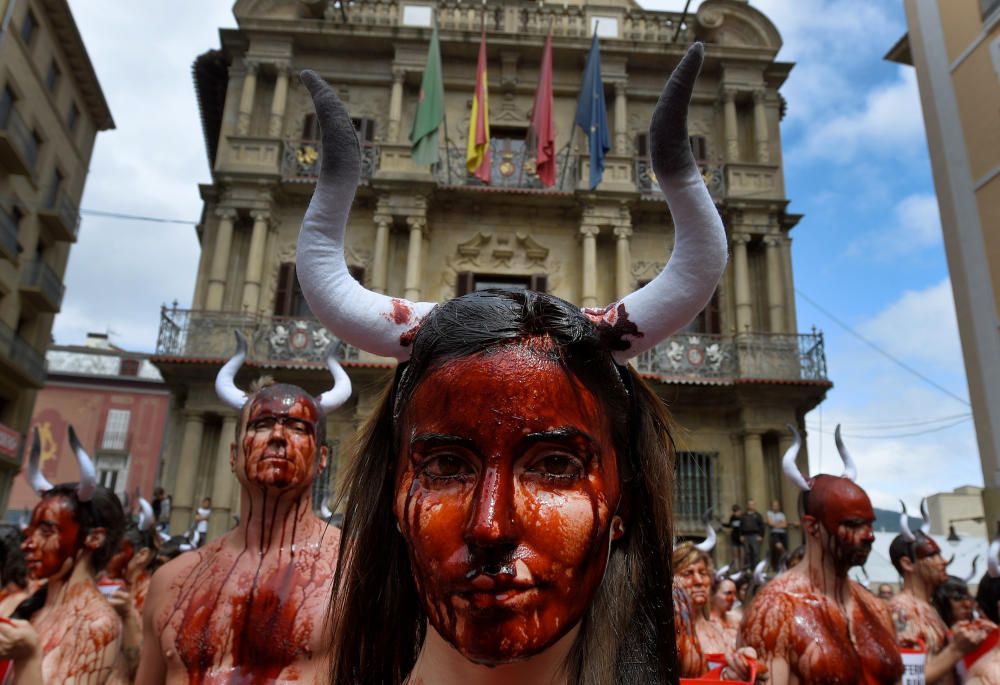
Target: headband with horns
383,325
791,469
708,544
87,486
225,382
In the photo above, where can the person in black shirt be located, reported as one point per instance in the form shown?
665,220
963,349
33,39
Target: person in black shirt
752,532
735,541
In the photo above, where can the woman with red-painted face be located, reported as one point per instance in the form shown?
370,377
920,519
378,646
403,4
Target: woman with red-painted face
508,513
812,624
66,632
721,614
957,610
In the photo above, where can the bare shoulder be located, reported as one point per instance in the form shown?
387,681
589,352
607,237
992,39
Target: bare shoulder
878,607
767,624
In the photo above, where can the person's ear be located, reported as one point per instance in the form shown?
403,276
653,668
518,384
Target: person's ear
324,456
617,527
95,538
811,525
907,564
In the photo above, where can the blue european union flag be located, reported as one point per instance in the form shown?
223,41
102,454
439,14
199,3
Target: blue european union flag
591,114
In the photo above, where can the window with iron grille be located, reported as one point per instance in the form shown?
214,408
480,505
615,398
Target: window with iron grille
696,487
326,479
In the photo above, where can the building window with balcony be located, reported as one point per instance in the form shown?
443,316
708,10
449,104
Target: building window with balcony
7,101
467,282
72,117
29,27
697,485
116,429
52,194
52,77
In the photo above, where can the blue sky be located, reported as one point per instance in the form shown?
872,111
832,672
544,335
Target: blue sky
868,250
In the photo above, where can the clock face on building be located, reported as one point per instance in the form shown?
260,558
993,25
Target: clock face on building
695,356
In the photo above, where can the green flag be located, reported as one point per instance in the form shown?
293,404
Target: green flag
430,110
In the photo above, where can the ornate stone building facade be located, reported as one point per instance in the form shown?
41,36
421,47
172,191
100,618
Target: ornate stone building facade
51,109
733,380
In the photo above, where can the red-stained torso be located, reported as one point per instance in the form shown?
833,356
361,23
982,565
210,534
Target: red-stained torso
79,637
822,642
916,619
986,670
227,615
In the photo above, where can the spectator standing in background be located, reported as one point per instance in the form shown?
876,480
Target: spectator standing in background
735,541
885,591
752,532
201,522
777,526
162,504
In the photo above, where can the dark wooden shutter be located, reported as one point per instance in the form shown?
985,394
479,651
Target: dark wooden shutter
539,283
357,273
699,147
285,291
465,283
642,144
713,322
365,127
310,127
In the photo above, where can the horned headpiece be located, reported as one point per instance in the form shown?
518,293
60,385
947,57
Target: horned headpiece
146,517
791,469
225,385
384,325
904,522
708,544
87,485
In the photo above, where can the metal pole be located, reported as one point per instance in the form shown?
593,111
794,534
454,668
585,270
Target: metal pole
569,148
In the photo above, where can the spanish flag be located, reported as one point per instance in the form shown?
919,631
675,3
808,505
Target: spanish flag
477,150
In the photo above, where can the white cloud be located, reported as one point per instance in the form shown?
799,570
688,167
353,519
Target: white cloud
120,272
920,327
916,226
888,123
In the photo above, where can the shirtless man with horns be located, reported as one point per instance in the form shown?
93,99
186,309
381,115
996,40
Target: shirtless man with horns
251,607
812,624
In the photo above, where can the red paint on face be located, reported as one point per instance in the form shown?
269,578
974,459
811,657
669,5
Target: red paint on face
847,515
505,490
725,596
930,565
52,539
696,579
279,438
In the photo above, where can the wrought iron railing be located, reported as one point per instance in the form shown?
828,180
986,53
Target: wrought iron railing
202,334
8,233
512,165
567,21
301,158
694,357
21,136
713,174
64,207
28,358
40,275
700,357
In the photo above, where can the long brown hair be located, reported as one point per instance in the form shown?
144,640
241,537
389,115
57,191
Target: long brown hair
627,633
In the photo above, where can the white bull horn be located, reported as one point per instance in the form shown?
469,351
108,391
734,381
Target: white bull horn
146,517
225,381
904,524
88,474
850,470
788,464
708,544
36,480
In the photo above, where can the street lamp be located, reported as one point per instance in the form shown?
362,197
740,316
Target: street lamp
952,535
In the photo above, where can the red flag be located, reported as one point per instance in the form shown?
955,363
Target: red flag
542,126
477,149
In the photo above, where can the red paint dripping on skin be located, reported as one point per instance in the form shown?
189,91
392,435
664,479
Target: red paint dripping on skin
505,489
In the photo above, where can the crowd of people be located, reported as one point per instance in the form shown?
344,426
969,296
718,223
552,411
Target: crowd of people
507,511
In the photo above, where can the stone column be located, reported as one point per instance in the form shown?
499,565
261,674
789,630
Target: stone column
732,134
790,493
417,226
775,285
396,103
623,262
754,470
380,258
741,281
246,97
760,127
223,481
589,283
220,259
187,472
621,119
278,102
255,261
791,322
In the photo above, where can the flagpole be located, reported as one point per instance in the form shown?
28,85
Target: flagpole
572,133
444,109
